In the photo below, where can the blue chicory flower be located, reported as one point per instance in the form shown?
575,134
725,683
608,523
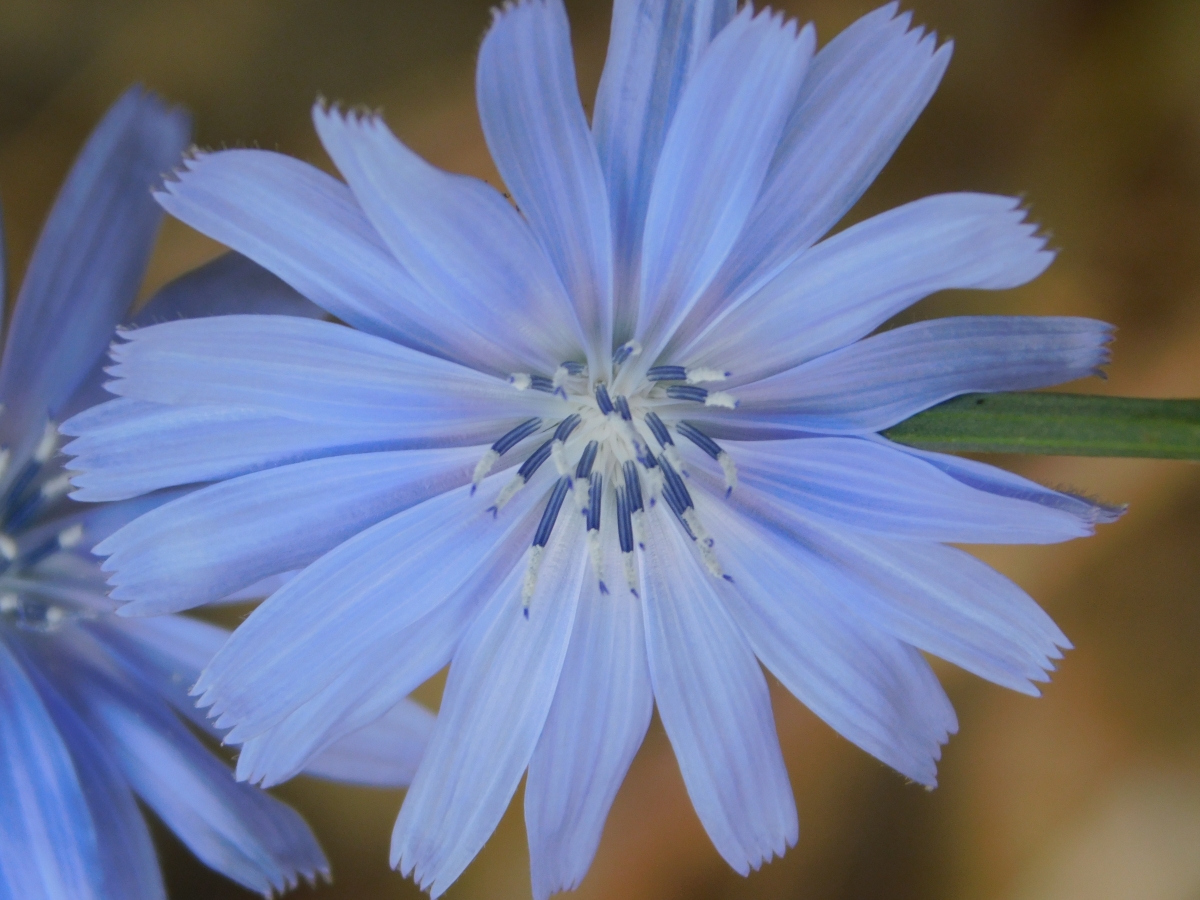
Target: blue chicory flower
93,706
606,451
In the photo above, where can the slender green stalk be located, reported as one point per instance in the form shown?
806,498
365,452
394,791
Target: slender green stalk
1057,424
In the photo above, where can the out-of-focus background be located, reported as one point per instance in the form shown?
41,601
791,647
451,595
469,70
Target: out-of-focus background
1088,108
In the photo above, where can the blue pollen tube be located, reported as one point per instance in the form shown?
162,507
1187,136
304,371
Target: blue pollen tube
550,514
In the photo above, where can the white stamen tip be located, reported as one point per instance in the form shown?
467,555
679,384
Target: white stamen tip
630,566
69,537
721,399
531,576
8,547
56,487
521,381
9,603
507,492
45,447
5,459
671,452
729,467
596,554
484,466
558,453
55,616
702,375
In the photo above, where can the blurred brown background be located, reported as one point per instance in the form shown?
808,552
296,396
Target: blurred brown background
1089,108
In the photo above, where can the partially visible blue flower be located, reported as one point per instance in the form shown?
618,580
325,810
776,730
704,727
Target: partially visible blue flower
94,712
608,452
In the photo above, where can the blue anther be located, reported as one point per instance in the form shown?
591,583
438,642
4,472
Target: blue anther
658,429
622,406
541,383
518,434
675,485
16,490
574,368
624,522
531,465
687,392
595,495
566,426
667,373
699,438
623,353
633,485
587,459
602,399
550,513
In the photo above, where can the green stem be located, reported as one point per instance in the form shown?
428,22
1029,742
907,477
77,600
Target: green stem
1056,424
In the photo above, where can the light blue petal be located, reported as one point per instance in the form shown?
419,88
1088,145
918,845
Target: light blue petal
323,373
130,447
939,599
163,655
713,701
872,689
48,844
359,596
126,850
652,52
599,717
381,677
713,163
463,242
214,541
536,130
234,828
848,285
307,228
874,488
383,754
87,265
229,284
861,95
497,697
877,382
997,481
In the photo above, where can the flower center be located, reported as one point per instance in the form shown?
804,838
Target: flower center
614,454
29,494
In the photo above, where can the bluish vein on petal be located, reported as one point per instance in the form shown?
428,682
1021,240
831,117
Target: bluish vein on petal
317,372
87,265
713,701
870,687
652,51
873,384
307,228
600,714
861,95
536,130
346,603
846,286
471,251
497,697
385,753
214,541
714,159
48,844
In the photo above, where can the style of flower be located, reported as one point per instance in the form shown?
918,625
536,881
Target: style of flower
604,451
93,707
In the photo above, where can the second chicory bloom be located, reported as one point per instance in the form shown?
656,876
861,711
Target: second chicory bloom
94,712
606,452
